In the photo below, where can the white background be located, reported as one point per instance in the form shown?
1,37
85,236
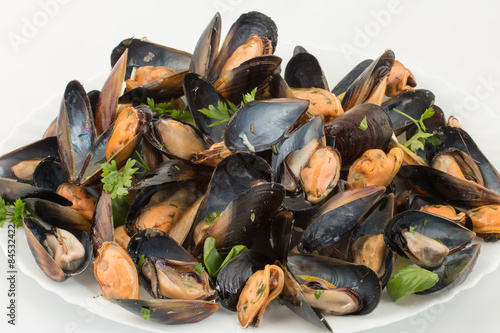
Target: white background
47,43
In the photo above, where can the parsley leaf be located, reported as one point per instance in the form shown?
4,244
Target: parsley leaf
169,109
199,268
363,125
15,212
212,259
418,139
223,111
145,313
117,182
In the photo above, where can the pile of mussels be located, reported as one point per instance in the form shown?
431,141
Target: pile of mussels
313,182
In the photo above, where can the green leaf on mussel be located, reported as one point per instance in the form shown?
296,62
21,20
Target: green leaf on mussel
212,259
409,280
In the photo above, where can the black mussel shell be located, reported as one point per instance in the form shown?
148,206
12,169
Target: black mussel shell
39,149
446,188
233,276
201,94
36,234
413,103
252,23
76,130
359,278
344,133
304,71
49,174
10,191
169,311
207,48
161,90
293,298
451,234
455,269
347,80
454,137
260,125
365,84
102,222
142,52
166,172
250,74
296,140
338,217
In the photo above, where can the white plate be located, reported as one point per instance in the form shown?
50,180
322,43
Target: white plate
84,291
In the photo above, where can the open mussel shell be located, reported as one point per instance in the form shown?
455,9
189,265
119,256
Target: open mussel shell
176,139
372,224
455,269
169,311
76,130
244,216
59,216
49,174
413,103
10,191
370,86
102,221
142,52
251,23
35,152
161,90
233,276
304,71
293,298
107,103
457,138
449,233
92,170
166,172
344,133
447,188
250,74
207,48
350,77
358,278
180,197
260,125
337,217
201,94
297,139
36,235
226,184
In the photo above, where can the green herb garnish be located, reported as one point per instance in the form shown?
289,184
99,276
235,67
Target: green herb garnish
169,109
363,125
15,212
410,280
318,293
213,260
117,182
142,259
412,228
199,268
145,313
418,139
211,217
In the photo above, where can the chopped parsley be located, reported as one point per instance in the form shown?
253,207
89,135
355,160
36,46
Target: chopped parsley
363,125
145,313
418,139
412,228
318,293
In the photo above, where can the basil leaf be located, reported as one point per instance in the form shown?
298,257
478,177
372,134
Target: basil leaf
409,280
212,259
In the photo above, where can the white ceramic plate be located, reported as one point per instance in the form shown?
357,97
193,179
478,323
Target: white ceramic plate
84,291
